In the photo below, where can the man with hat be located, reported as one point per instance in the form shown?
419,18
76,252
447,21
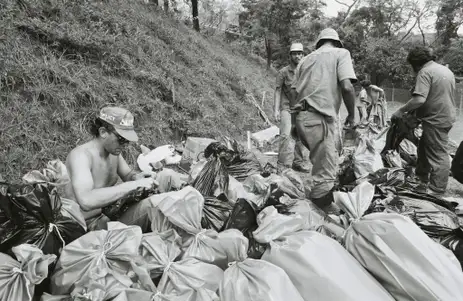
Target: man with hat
95,167
322,81
282,114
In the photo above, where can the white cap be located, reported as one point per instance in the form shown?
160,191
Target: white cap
296,47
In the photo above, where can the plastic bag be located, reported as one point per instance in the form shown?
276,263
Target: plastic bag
366,159
392,159
408,152
403,259
54,174
213,179
102,254
235,190
433,219
319,267
239,164
160,252
35,217
387,177
215,212
165,153
19,277
243,218
356,202
118,208
457,164
257,280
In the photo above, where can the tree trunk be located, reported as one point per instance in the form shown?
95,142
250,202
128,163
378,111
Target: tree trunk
268,48
194,5
166,5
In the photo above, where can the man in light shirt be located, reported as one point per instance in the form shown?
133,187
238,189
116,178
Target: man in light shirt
323,80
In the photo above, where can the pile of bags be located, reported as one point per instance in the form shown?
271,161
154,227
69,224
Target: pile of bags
235,231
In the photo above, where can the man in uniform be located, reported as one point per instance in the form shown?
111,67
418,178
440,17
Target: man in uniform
433,103
282,114
323,80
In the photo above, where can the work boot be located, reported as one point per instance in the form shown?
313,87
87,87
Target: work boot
326,203
300,168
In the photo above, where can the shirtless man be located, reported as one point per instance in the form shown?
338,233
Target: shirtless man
96,166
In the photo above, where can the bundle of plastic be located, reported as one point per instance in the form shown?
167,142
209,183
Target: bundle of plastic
177,277
33,214
319,267
107,257
251,279
397,253
18,278
184,210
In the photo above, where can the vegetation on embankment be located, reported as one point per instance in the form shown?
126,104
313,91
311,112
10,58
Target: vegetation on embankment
62,60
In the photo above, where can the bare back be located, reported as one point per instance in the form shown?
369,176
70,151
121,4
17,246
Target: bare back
102,169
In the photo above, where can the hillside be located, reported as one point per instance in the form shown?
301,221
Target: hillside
62,60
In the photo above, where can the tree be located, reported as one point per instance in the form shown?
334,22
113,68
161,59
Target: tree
194,7
454,56
449,19
273,21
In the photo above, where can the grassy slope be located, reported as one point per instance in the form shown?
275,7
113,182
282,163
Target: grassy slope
61,60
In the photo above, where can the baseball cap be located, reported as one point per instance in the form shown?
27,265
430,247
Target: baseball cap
122,121
328,34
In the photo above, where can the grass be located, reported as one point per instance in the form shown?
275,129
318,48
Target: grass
62,60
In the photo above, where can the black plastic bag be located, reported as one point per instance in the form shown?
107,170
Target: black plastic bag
427,197
399,130
239,164
116,209
275,200
457,164
215,212
243,217
388,177
433,219
213,178
34,211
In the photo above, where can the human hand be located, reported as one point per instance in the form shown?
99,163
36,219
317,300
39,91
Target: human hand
276,114
350,122
144,174
147,183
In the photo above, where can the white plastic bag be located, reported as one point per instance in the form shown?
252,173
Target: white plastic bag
255,280
178,277
165,152
366,159
319,267
404,259
104,254
18,278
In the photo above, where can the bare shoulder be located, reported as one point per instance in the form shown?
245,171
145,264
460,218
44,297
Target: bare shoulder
80,155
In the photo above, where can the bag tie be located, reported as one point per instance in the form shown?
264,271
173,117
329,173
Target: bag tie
52,227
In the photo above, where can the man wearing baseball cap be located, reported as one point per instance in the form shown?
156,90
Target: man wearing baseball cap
322,81
95,167
281,113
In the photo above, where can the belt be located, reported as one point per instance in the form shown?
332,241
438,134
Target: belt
303,107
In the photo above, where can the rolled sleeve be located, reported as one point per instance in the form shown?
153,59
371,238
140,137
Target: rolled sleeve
423,84
280,80
345,67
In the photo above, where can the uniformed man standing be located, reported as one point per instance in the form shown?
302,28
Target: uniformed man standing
322,81
433,103
282,114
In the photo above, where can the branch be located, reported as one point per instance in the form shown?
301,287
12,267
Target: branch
422,32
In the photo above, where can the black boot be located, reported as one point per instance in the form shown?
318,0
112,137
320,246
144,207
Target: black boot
326,203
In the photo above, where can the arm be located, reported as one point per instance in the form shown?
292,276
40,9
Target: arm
348,95
82,182
124,171
277,96
346,74
414,103
420,93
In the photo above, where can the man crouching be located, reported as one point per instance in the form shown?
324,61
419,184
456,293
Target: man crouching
95,168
